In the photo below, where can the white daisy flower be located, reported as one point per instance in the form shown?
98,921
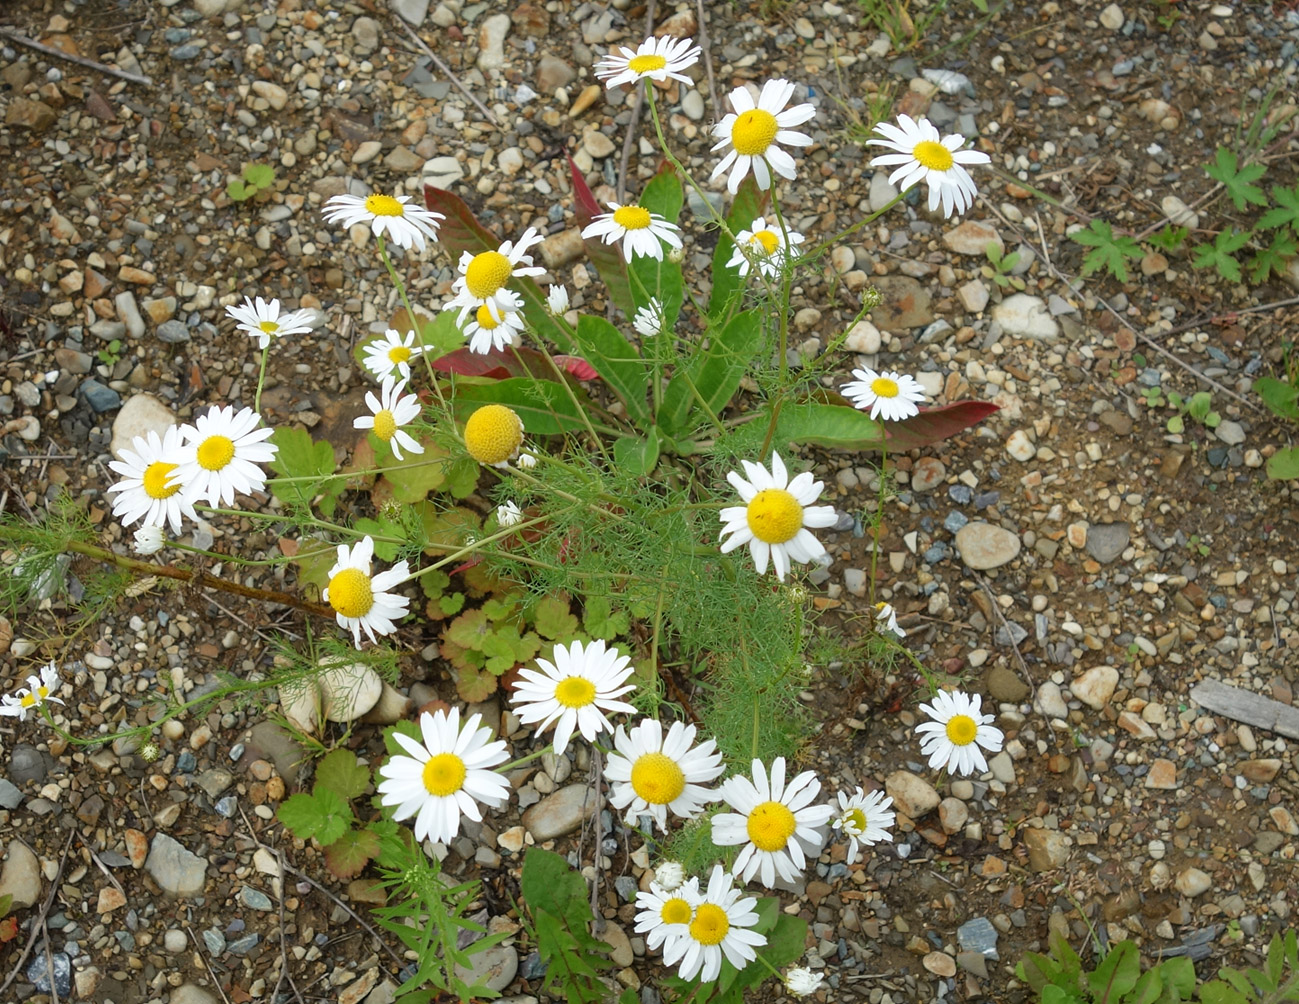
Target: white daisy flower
652,774
392,354
557,300
886,619
221,453
665,914
774,518
958,729
863,819
888,395
508,514
753,130
150,489
776,822
39,689
263,321
641,232
803,982
389,412
486,331
483,276
764,246
359,598
654,59
405,225
669,875
720,926
926,155
493,435
445,776
649,319
149,539
574,691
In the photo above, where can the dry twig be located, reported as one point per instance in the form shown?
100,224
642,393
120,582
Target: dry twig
40,916
41,47
446,70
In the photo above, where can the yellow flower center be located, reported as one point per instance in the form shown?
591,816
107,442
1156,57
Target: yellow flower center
646,64
215,452
775,516
884,387
350,593
961,730
575,692
657,778
399,354
771,824
444,774
485,319
28,700
269,327
384,424
487,273
155,480
933,155
753,132
854,822
766,240
383,205
632,217
493,434
675,911
710,924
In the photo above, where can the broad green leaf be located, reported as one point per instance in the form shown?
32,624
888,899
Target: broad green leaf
715,371
347,856
322,815
1218,992
340,773
659,277
1117,974
748,205
298,456
1200,405
808,422
1283,465
1178,976
618,362
238,191
407,728
601,620
1239,181
607,258
553,618
546,408
381,527
637,455
416,474
1148,988
549,883
259,175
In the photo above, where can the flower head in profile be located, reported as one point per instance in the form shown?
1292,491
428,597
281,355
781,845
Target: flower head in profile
39,689
923,154
642,233
664,914
863,819
886,619
486,331
392,354
803,982
360,600
890,396
483,276
648,321
654,59
149,539
557,300
445,776
958,730
221,454
765,246
407,226
655,774
669,874
574,692
388,413
149,489
754,132
508,514
775,516
263,320
777,823
493,435
721,926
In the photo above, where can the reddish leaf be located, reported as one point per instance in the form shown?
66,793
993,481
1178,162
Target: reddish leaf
933,425
347,856
8,929
578,366
606,258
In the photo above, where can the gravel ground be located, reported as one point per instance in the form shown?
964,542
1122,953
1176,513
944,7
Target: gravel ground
1069,558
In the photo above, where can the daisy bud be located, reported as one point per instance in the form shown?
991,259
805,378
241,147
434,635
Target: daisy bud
669,875
149,540
557,300
677,255
508,514
527,461
803,982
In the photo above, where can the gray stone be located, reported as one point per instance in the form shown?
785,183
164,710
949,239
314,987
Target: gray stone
365,30
983,546
27,763
215,8
275,95
175,941
692,105
99,397
10,796
912,795
141,415
188,993
560,813
978,935
1023,314
413,11
215,781
21,876
173,332
863,337
904,303
494,968
40,967
274,743
1112,17
1191,882
128,312
1003,685
973,295
881,192
1106,541
553,73
177,870
1050,701
255,899
403,160
973,237
1229,432
442,171
491,41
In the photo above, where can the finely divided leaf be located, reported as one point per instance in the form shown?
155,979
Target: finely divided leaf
1108,251
1239,181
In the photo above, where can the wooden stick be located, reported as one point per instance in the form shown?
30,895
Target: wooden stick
446,70
49,50
1246,706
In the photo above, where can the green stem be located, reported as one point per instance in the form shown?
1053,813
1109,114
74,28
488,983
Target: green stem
515,764
717,217
271,517
849,231
563,382
261,379
782,361
410,315
879,516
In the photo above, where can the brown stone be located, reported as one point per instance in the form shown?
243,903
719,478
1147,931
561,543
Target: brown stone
1260,771
128,273
904,303
137,847
1163,774
34,115
110,898
530,20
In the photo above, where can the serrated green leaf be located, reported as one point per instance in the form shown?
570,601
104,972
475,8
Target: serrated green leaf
406,728
340,773
347,856
1239,181
462,477
381,527
1170,238
553,618
601,620
469,630
322,815
1286,211
298,456
451,605
416,475
1275,258
1108,251
1283,465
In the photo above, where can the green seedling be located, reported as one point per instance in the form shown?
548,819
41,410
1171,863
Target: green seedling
1199,407
1000,266
110,354
256,178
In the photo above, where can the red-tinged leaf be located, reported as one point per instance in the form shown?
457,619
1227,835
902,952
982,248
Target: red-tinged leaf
347,856
8,929
607,258
578,366
933,425
519,361
461,232
474,685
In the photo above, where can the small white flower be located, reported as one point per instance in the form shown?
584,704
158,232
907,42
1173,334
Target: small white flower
863,819
670,875
483,276
262,320
803,982
557,300
649,319
39,689
508,514
150,488
925,155
149,539
665,914
221,455
526,461
642,233
775,516
392,354
654,59
405,225
656,774
574,692
388,413
486,331
958,729
763,245
886,619
359,599
753,131
890,396
721,926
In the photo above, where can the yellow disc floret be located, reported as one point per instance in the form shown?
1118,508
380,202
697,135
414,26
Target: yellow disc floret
632,217
657,778
575,692
710,925
350,593
155,480
884,387
753,132
854,821
766,240
269,327
384,424
961,730
775,516
646,64
933,155
215,452
675,911
399,354
770,826
383,205
487,273
444,775
485,319
493,434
